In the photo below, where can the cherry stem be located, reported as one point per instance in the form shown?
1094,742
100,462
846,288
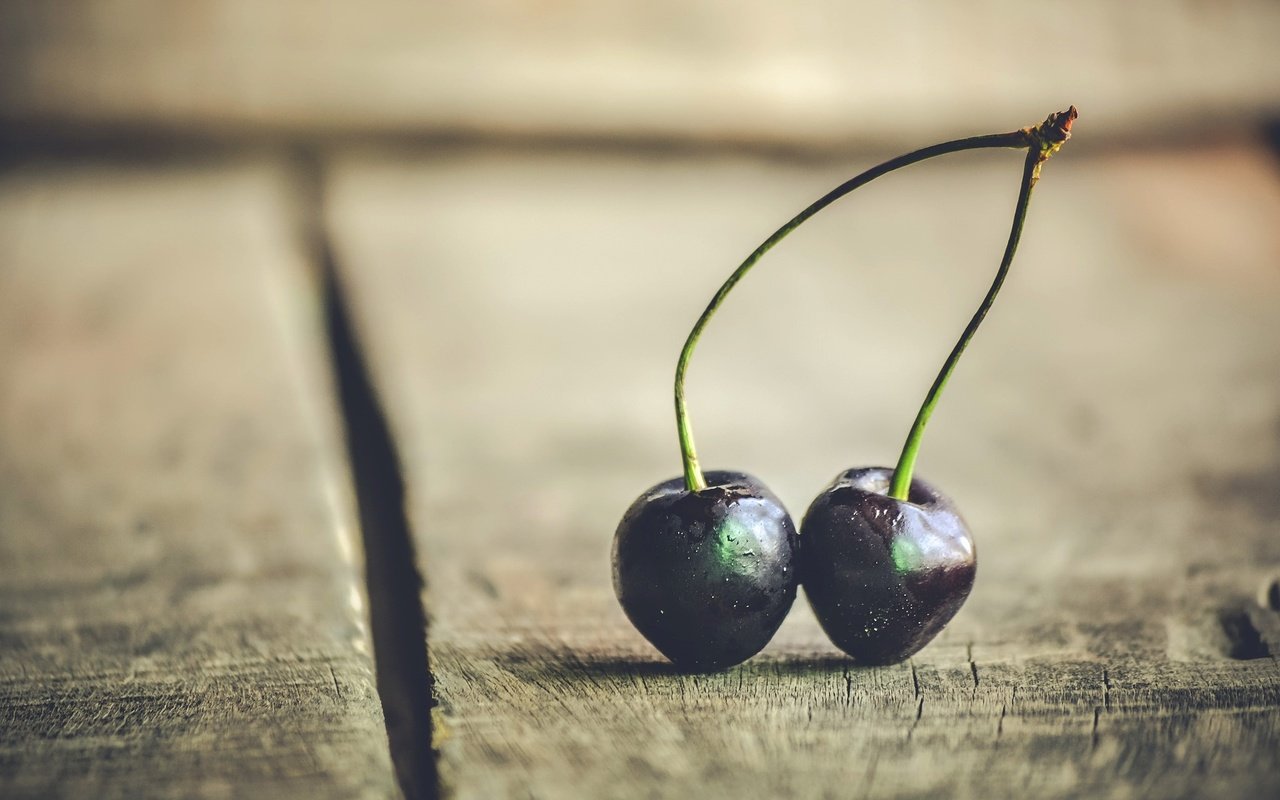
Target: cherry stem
1043,142
693,477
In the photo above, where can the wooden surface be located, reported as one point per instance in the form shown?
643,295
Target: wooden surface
180,604
829,74
1112,438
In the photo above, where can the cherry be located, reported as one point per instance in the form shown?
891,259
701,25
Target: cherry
707,576
886,561
704,569
884,575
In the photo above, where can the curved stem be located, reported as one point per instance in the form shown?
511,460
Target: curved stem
693,477
900,486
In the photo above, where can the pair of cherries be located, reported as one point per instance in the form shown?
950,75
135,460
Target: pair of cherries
706,566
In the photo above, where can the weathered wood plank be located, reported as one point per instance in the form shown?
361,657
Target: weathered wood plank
831,73
180,614
1112,438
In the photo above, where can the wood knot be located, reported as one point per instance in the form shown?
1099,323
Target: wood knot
1270,596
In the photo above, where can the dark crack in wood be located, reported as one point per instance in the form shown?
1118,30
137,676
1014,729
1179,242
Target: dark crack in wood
394,585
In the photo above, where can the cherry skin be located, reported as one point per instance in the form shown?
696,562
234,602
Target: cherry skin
884,575
707,576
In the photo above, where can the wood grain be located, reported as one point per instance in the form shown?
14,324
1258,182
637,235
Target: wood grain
1112,438
831,74
180,603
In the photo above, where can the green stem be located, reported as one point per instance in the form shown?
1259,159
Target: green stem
900,487
693,477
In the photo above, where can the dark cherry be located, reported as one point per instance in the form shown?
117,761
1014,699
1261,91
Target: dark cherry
706,576
884,575
885,560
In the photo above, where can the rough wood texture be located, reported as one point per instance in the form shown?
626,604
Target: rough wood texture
180,614
1112,438
830,72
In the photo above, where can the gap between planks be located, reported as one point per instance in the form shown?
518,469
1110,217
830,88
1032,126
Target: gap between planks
393,584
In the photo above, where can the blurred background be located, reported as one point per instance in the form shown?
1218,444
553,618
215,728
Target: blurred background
815,75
